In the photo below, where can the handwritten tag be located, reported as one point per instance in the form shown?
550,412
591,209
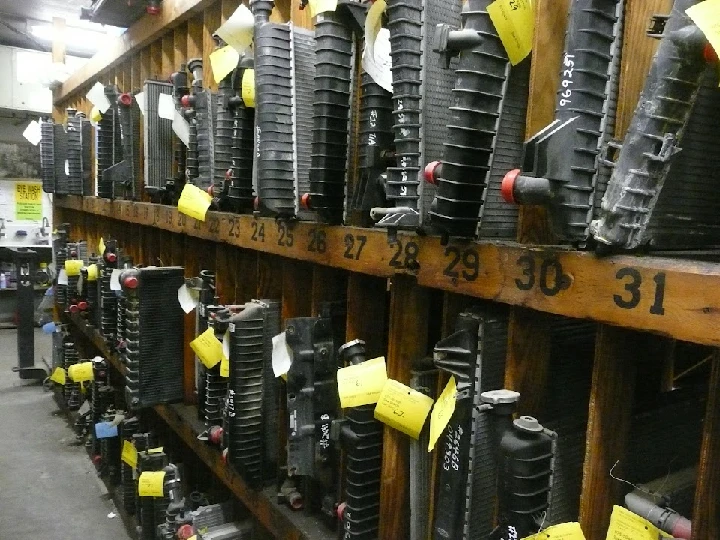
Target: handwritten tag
514,21
72,267
129,454
58,375
403,408
248,88
223,61
166,107
194,202
188,298
442,412
361,384
238,30
624,525
97,97
105,430
181,128
115,280
563,531
81,372
92,272
321,6
150,484
158,450
101,246
207,348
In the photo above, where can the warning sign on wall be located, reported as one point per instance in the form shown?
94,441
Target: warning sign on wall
28,201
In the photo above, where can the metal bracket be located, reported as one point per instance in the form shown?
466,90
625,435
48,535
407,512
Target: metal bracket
656,26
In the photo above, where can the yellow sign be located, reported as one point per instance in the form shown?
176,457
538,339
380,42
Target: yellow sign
514,21
624,525
58,376
81,372
706,15
92,272
403,408
223,61
442,412
72,267
224,367
101,246
150,484
28,201
95,115
207,348
194,202
158,450
321,6
564,531
248,88
361,384
129,454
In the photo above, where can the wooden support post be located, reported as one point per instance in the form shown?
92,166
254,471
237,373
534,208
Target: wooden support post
228,7
367,312
246,286
168,56
706,511
610,415
328,284
407,341
180,39
195,37
269,276
156,54
58,43
297,278
225,273
211,23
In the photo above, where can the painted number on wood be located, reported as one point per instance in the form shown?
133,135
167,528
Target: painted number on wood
354,244
317,241
258,232
465,263
406,255
548,275
632,294
285,235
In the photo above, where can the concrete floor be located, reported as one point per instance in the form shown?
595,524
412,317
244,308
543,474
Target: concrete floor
49,489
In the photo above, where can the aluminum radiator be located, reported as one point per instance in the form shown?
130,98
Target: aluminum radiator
47,155
108,144
158,141
108,298
124,176
155,328
71,390
79,152
129,427
240,191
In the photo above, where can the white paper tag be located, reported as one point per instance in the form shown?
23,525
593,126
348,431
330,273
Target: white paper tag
188,300
226,344
80,284
85,407
140,98
281,355
62,277
238,29
97,97
376,59
181,128
115,280
231,327
166,107
33,133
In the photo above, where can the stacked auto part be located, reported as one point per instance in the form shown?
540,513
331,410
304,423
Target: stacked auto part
571,184
47,155
119,343
102,397
223,122
158,141
151,510
110,448
240,189
108,144
79,154
124,176
207,303
250,424
129,427
651,150
155,324
108,299
60,249
198,108
71,391
362,438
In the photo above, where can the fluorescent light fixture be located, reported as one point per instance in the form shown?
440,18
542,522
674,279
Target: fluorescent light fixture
77,38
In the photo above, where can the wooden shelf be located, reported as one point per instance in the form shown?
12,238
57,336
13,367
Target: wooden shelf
673,297
278,519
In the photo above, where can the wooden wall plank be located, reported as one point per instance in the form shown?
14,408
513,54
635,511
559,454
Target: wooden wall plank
211,23
156,63
195,37
610,414
328,285
180,38
297,279
145,64
168,56
269,276
367,309
407,341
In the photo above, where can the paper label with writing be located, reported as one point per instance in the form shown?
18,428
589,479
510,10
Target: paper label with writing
223,61
129,454
514,21
115,280
563,531
207,348
72,267
403,408
97,97
105,430
181,128
188,298
624,525
238,30
101,246
58,375
376,54
248,88
361,384
194,202
150,484
81,372
442,412
28,201
92,272
33,133
281,355
166,107
158,450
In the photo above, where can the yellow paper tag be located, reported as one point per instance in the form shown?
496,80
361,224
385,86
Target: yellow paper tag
158,450
224,367
514,21
373,20
442,412
223,61
193,537
129,454
150,484
706,15
403,408
81,372
101,246
207,348
361,384
321,6
563,531
95,115
248,87
58,376
624,525
72,267
194,202
92,272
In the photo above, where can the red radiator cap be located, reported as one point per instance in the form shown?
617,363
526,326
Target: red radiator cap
508,186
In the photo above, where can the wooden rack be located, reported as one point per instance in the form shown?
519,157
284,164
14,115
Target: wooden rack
404,295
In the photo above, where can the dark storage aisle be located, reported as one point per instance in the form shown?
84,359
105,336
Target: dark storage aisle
48,486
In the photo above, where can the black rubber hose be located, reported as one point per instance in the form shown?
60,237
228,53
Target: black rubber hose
331,109
222,145
240,192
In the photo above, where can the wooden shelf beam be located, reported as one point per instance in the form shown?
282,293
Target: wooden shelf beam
673,297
